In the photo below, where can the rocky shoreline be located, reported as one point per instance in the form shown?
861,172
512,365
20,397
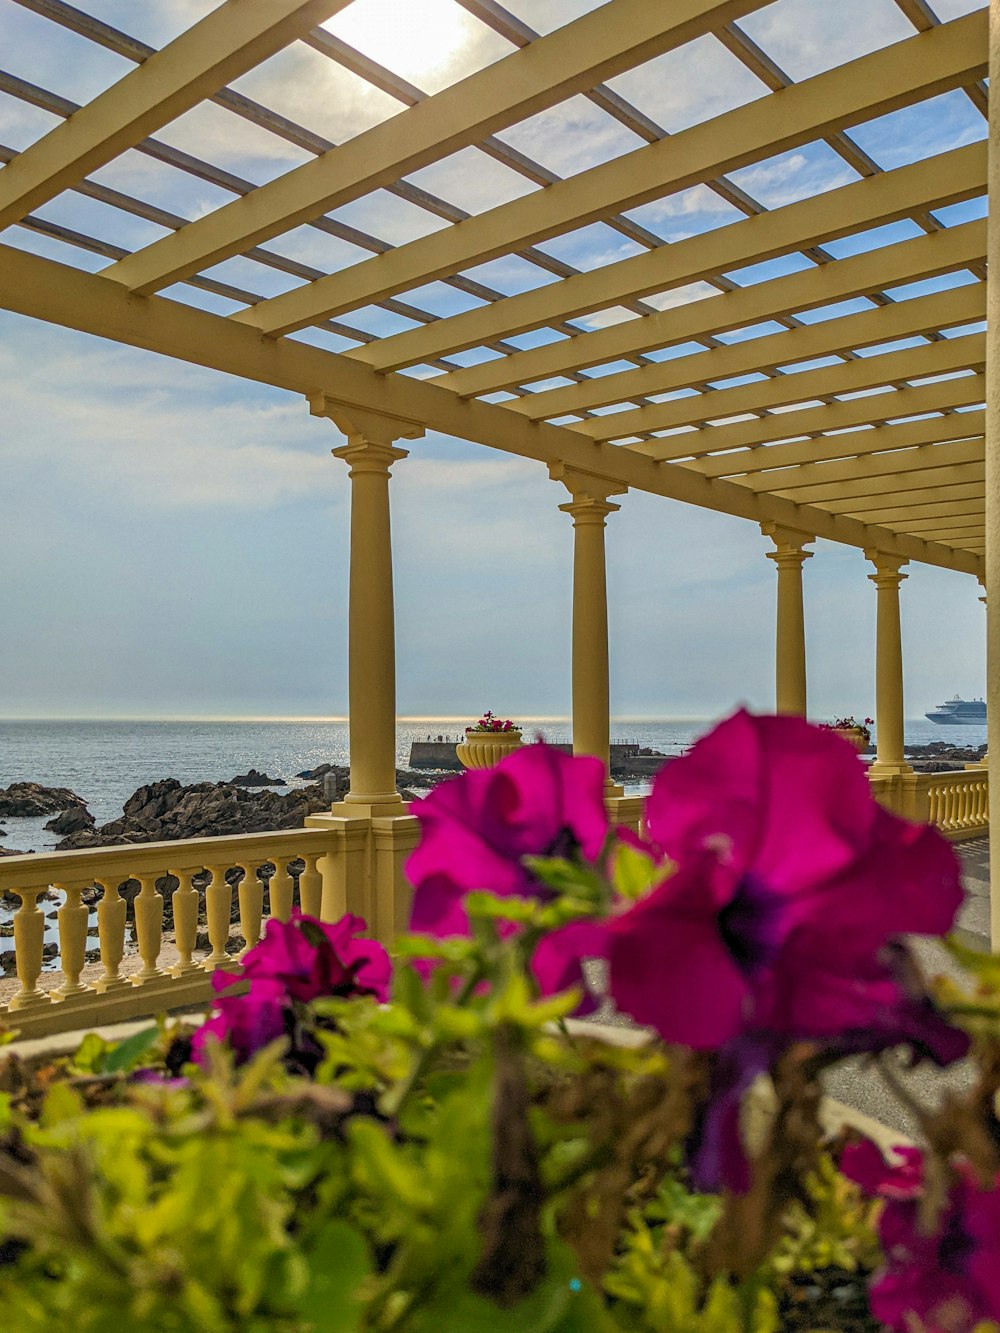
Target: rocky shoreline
167,810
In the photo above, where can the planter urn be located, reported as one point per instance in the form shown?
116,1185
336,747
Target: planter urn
484,749
856,735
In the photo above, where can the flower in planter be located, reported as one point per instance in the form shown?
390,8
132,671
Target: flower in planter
945,1279
477,829
851,724
296,961
492,724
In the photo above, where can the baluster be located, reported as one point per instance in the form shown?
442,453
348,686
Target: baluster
72,918
218,910
29,936
185,905
963,804
310,886
280,891
952,809
251,900
111,934
148,908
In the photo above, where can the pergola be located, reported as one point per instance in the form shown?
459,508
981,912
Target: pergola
817,367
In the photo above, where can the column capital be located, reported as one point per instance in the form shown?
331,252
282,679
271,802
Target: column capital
788,542
585,511
887,569
363,455
363,423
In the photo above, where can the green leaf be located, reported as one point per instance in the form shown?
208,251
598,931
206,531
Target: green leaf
123,1056
635,873
338,1262
90,1054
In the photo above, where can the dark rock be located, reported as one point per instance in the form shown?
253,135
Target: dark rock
25,799
71,821
13,851
2,833
165,811
255,779
318,774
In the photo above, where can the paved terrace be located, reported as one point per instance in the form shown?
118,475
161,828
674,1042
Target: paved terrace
854,1082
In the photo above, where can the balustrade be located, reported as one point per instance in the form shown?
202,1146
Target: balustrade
956,803
61,986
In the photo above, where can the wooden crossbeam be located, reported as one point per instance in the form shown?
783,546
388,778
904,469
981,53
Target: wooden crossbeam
843,445
807,476
967,391
945,178
897,76
226,43
958,499
828,337
600,44
939,358
925,481
902,319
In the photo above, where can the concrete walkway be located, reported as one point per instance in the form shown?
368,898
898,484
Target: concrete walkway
856,1082
860,1085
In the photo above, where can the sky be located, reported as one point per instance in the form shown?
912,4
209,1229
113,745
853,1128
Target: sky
173,541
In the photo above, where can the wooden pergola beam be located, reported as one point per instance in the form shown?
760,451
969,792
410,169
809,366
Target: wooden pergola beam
936,358
846,445
952,500
44,289
226,43
802,480
575,57
902,482
901,319
965,391
897,76
947,178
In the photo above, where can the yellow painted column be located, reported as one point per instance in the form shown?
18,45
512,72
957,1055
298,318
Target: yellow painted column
790,629
889,752
370,453
589,509
992,560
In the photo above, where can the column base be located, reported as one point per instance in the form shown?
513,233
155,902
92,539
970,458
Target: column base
624,811
877,769
370,807
363,872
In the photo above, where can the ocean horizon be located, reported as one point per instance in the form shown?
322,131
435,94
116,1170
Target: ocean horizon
104,760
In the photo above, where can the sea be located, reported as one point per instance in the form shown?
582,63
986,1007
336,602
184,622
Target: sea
104,762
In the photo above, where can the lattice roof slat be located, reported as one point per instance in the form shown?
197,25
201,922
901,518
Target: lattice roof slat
845,388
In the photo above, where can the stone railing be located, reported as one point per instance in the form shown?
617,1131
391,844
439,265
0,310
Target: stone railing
956,803
189,887
959,803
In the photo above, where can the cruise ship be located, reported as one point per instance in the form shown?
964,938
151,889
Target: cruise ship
959,712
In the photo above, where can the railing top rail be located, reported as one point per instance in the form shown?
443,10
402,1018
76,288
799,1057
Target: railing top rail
180,854
962,778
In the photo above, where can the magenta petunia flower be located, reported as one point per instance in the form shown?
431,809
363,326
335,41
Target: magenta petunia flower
476,830
791,881
947,1281
782,922
296,961
310,958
